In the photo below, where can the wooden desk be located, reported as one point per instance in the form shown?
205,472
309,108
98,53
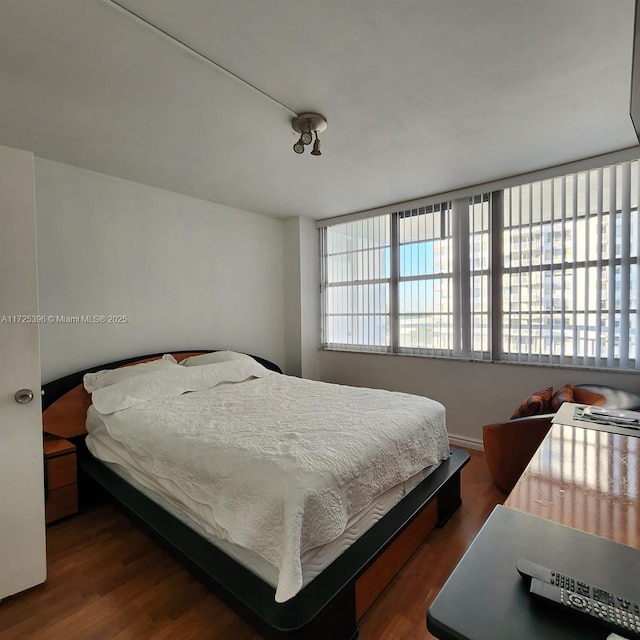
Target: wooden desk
585,479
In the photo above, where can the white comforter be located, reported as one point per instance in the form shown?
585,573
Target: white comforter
279,464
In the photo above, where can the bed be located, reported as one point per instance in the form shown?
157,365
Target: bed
322,587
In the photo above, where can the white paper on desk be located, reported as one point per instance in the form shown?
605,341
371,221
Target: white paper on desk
566,414
624,417
615,636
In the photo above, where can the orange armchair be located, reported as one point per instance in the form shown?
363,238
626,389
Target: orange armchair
508,447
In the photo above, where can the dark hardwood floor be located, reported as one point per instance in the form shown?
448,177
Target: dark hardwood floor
107,579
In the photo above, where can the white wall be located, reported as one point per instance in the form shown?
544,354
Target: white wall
302,297
292,297
310,297
187,273
473,393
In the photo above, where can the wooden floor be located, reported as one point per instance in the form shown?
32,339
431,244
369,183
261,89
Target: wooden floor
109,580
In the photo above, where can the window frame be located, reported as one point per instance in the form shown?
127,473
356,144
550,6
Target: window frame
495,273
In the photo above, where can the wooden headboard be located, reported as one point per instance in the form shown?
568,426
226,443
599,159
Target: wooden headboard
65,401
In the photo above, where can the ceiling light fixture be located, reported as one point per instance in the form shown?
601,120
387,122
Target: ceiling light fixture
308,124
298,147
316,147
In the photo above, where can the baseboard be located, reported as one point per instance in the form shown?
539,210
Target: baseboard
464,441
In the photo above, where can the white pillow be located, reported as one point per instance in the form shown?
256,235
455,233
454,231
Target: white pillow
214,358
173,382
107,377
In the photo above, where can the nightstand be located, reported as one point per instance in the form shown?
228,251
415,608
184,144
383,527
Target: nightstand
60,477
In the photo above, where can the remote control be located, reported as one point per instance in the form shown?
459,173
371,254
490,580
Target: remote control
528,569
613,618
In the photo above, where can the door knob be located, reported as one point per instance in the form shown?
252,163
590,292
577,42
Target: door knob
23,396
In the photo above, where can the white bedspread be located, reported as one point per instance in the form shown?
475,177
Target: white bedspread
279,464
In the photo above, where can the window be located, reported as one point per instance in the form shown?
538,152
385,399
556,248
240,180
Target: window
356,282
570,251
425,280
443,278
545,272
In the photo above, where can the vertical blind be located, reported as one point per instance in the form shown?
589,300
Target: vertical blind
545,272
356,284
425,289
415,281
570,269
443,283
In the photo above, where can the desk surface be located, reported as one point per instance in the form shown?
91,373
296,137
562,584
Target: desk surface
586,479
485,598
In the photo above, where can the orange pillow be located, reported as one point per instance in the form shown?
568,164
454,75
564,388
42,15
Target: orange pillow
563,394
536,404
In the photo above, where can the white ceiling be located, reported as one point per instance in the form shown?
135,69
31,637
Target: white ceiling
422,96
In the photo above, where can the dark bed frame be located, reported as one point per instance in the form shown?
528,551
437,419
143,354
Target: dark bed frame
326,607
